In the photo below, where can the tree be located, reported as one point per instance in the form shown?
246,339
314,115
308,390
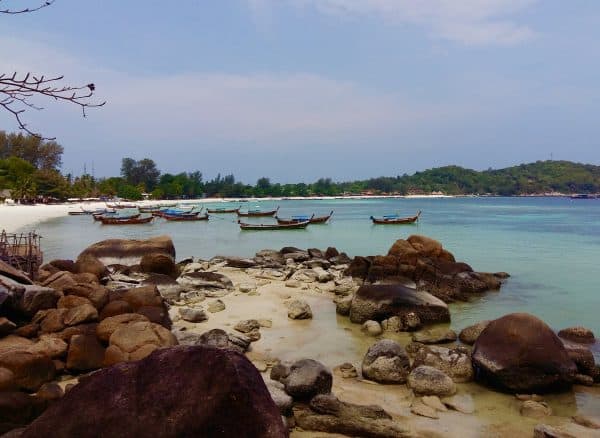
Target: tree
140,172
42,154
20,92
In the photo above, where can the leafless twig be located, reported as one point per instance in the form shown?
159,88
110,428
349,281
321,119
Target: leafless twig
17,93
26,10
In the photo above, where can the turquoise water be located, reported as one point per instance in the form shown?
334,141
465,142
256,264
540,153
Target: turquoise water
550,246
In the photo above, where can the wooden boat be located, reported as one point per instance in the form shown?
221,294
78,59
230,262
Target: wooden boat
176,212
391,220
257,213
148,209
186,217
114,215
312,219
121,206
223,210
580,196
126,221
266,227
78,213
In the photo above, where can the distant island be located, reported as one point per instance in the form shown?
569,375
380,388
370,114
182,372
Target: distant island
30,172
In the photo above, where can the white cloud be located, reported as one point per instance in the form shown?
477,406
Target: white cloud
472,22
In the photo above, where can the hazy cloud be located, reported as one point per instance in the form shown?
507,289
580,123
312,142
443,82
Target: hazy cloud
472,22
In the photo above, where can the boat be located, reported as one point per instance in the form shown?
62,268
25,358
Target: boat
266,227
186,217
580,196
114,215
121,206
312,219
148,209
258,213
78,213
223,210
126,221
176,212
394,219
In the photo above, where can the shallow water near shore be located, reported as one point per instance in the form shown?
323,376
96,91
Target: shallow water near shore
550,246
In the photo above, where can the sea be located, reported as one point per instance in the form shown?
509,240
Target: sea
549,246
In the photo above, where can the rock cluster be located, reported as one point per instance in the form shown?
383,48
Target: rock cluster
426,263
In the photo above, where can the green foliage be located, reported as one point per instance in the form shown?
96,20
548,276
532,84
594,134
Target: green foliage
142,172
46,155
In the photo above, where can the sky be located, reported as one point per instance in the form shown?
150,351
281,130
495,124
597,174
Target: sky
296,90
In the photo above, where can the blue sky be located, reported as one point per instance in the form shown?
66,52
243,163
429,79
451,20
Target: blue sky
300,89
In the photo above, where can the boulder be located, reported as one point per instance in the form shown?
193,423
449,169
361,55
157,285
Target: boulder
157,263
89,264
299,309
546,431
80,314
434,336
461,403
114,308
51,320
326,413
17,409
149,391
143,296
425,245
35,298
129,251
50,346
580,335
109,325
13,273
60,280
168,288
218,284
372,328
533,409
7,380
216,306
426,380
137,340
307,378
281,399
239,262
30,369
220,339
386,362
519,352
85,353
193,314
381,301
61,265
582,356
469,334
453,362
6,326
69,301
97,294
247,326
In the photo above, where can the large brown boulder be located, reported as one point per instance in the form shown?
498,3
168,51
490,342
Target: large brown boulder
96,293
137,340
85,353
519,352
89,264
13,273
425,245
381,301
171,393
157,263
109,325
129,251
30,369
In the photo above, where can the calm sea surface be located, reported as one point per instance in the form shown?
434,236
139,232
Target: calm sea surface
551,247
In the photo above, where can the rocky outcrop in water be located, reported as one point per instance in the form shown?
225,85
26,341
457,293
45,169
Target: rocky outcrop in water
129,251
432,268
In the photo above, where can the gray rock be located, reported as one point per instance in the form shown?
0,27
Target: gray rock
535,409
419,408
469,334
308,378
381,301
326,413
453,362
425,380
299,309
247,287
578,334
433,401
372,328
545,431
434,336
192,314
281,399
342,305
461,403
239,262
247,325
216,306
386,362
205,280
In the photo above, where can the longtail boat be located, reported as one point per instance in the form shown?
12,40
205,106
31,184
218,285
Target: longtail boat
121,206
266,227
148,209
394,219
258,213
114,215
126,221
312,219
176,212
223,210
186,217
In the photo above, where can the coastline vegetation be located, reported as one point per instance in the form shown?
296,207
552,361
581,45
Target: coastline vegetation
30,169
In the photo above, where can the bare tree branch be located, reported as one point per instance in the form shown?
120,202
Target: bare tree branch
26,10
17,93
